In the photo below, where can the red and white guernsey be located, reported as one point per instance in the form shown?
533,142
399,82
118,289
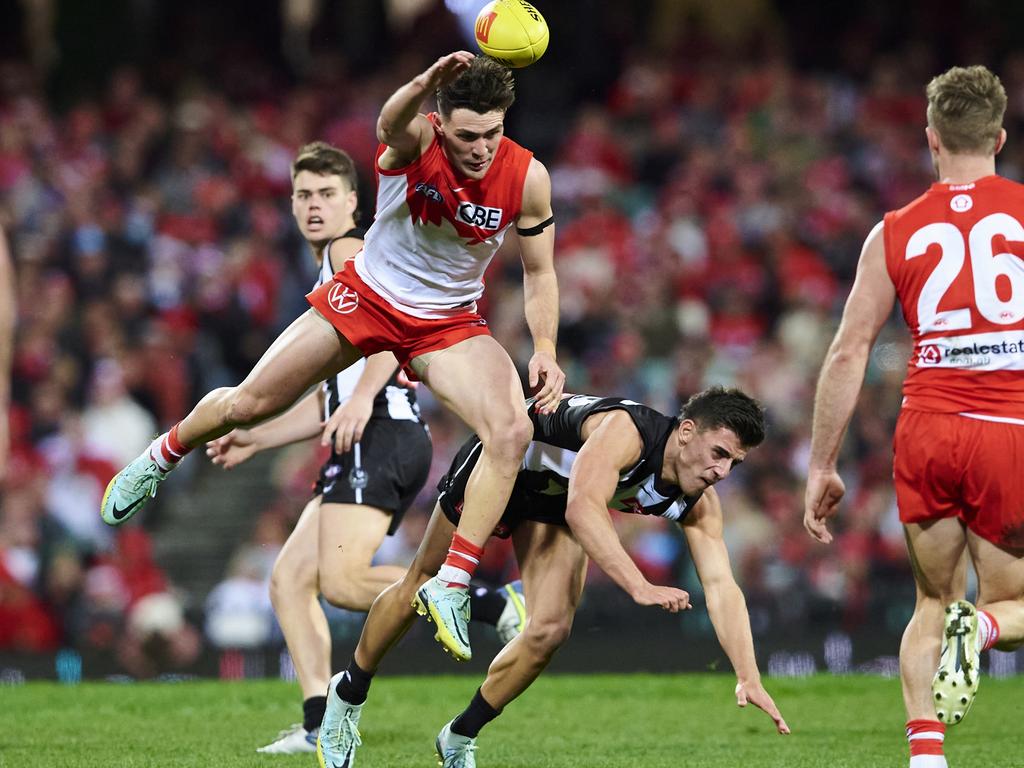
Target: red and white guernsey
956,257
434,234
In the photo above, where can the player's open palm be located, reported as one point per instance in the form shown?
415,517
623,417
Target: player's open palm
671,599
544,369
754,693
347,423
231,450
825,490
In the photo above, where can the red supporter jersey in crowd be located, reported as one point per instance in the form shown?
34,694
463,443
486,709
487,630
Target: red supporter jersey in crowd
956,257
435,233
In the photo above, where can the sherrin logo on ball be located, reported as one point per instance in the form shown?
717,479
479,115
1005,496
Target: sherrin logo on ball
512,32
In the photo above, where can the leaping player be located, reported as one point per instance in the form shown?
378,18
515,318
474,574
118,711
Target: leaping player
450,185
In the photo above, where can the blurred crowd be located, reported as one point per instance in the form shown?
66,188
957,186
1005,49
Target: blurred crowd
710,210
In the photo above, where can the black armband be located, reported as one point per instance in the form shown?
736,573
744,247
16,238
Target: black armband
531,231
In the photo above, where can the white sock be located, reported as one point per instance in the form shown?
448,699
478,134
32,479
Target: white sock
162,454
452,576
928,761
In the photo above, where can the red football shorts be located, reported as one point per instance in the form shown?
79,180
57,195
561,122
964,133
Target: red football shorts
372,325
949,465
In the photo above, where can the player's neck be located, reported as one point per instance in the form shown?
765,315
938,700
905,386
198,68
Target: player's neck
965,169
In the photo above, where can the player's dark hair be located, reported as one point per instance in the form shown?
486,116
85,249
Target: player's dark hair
718,407
965,107
321,158
484,87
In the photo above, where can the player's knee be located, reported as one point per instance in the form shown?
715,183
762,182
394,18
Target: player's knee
242,409
544,637
289,578
247,409
344,587
508,438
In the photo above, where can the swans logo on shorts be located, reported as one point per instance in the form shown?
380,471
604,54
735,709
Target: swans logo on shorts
343,299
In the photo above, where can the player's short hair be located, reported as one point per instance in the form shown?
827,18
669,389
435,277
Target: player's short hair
718,407
484,87
965,107
321,158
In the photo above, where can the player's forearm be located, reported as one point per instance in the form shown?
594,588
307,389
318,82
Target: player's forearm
593,528
378,370
301,422
402,107
727,609
834,402
541,309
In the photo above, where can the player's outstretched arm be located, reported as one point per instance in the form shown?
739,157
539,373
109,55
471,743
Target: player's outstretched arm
400,125
536,229
867,308
301,422
610,446
727,607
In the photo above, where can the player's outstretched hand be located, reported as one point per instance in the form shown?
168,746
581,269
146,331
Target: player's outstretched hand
543,367
231,450
347,423
447,68
824,491
754,693
671,599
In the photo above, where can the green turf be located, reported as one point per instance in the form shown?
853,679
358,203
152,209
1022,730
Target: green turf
590,721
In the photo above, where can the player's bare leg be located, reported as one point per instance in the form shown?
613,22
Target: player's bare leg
938,556
1000,591
553,567
330,553
306,353
294,592
477,381
350,535
389,619
392,613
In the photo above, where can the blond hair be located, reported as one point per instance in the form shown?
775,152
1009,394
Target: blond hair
965,107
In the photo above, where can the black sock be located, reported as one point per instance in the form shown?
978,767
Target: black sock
478,714
354,684
486,604
313,710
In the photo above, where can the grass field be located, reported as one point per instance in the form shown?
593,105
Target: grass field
591,721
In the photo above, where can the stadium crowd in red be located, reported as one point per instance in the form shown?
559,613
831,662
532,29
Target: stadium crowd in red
709,213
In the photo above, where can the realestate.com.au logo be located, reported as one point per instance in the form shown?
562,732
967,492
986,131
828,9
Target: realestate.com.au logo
969,355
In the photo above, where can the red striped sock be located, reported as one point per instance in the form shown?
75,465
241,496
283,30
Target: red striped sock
988,630
460,565
925,738
167,450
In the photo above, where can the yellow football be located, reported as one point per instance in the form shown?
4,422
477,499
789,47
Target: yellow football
511,31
